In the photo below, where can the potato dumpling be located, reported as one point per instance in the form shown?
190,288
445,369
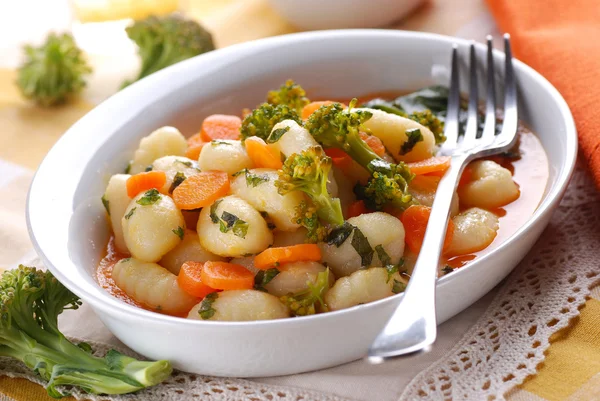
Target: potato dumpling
164,141
232,227
239,306
474,230
172,166
257,187
224,155
295,140
153,286
116,201
288,238
423,188
247,262
379,229
294,277
491,186
152,226
189,249
391,129
363,286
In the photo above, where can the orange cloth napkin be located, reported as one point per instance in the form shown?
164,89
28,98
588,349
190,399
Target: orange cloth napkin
561,40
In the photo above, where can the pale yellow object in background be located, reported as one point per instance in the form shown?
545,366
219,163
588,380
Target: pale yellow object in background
111,10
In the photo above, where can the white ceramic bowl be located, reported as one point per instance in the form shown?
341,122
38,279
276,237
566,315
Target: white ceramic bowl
67,225
338,14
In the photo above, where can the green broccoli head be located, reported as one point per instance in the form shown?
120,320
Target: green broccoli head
164,41
388,185
309,301
289,94
429,120
53,71
30,302
308,172
306,216
261,120
334,127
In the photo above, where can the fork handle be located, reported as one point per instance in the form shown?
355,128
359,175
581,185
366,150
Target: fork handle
413,325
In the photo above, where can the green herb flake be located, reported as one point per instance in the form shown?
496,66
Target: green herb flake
213,211
447,269
393,269
361,245
178,232
148,168
177,180
217,143
384,258
206,310
413,136
253,180
340,234
128,168
128,215
185,163
106,204
150,197
398,287
230,222
276,134
264,277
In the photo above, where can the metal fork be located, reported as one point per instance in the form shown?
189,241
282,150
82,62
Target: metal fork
413,327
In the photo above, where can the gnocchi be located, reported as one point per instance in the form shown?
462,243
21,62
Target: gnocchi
189,249
152,226
173,166
423,187
165,141
253,237
491,186
116,201
152,285
224,155
474,229
242,305
294,277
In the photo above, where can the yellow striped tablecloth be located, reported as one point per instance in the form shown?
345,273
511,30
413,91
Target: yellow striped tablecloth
571,371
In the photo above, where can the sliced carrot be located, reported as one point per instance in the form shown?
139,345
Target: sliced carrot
201,190
356,209
261,154
415,220
466,177
314,106
436,164
220,126
195,144
339,158
190,280
144,181
373,142
226,276
273,256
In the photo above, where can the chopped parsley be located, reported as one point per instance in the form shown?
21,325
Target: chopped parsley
340,234
206,310
384,258
252,180
393,269
150,197
264,277
361,245
178,232
230,222
217,143
106,203
398,287
413,136
276,134
447,269
177,180
148,168
213,211
186,163
128,168
128,215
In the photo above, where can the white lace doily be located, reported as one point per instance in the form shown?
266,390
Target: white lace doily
497,353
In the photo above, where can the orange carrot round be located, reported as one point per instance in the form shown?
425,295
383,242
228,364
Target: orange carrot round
195,144
314,106
274,256
261,154
220,126
201,190
226,276
437,164
339,158
190,280
357,208
373,142
144,181
415,220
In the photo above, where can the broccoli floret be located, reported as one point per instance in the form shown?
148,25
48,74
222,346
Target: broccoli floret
261,120
164,41
427,119
332,126
306,216
309,301
54,71
290,94
308,171
30,302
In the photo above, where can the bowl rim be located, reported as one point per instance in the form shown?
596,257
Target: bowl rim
112,305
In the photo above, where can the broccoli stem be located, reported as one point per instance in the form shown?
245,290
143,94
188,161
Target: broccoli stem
358,150
329,210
